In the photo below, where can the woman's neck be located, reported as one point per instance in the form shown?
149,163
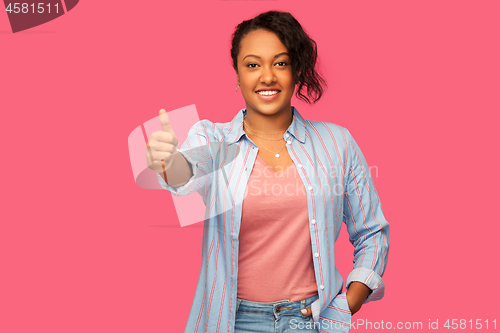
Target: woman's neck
268,124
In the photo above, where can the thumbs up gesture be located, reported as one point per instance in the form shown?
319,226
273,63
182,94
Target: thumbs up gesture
161,146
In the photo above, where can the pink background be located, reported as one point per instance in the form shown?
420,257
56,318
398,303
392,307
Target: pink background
84,249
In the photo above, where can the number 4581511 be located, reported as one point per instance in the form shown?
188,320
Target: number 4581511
25,8
469,324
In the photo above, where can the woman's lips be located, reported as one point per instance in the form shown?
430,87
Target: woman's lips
268,97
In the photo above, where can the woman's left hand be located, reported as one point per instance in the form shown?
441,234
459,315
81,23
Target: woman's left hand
308,311
355,295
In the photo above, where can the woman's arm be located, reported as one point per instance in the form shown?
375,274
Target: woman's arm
179,172
194,160
368,230
356,295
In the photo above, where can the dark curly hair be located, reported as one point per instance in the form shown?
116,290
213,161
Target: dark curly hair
302,49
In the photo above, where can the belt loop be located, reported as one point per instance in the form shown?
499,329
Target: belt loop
238,302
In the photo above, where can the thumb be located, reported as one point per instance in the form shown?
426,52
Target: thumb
306,311
165,122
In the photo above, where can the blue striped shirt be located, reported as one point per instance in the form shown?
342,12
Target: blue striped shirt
339,189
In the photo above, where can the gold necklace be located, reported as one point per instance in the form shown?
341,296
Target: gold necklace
259,132
267,138
277,153
248,127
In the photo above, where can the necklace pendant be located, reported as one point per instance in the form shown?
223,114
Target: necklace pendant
277,155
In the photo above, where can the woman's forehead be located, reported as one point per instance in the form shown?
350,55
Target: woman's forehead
261,43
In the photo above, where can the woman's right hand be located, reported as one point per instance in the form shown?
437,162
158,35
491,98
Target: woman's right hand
161,146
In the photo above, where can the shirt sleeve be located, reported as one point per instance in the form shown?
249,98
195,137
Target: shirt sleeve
368,232
196,150
367,227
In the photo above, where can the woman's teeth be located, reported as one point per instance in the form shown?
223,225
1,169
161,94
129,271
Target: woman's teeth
266,93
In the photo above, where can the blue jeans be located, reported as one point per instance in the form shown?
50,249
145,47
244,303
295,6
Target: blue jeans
276,317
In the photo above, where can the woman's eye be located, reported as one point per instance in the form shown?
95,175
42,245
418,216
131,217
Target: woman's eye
255,65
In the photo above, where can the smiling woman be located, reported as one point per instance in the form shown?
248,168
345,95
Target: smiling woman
265,75
295,44
268,261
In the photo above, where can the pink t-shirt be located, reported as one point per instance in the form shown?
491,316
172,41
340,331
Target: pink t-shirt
275,253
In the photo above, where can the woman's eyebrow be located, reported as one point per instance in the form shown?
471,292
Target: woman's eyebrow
276,56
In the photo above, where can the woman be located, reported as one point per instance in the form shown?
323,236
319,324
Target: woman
277,188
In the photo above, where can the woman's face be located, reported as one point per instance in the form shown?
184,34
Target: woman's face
263,62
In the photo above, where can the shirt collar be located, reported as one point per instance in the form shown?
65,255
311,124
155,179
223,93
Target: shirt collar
297,128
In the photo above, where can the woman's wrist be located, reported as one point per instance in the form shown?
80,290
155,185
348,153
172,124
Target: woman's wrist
356,295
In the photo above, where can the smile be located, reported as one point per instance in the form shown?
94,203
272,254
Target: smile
268,95
268,92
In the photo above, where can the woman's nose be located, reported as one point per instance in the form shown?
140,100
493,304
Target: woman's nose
267,75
